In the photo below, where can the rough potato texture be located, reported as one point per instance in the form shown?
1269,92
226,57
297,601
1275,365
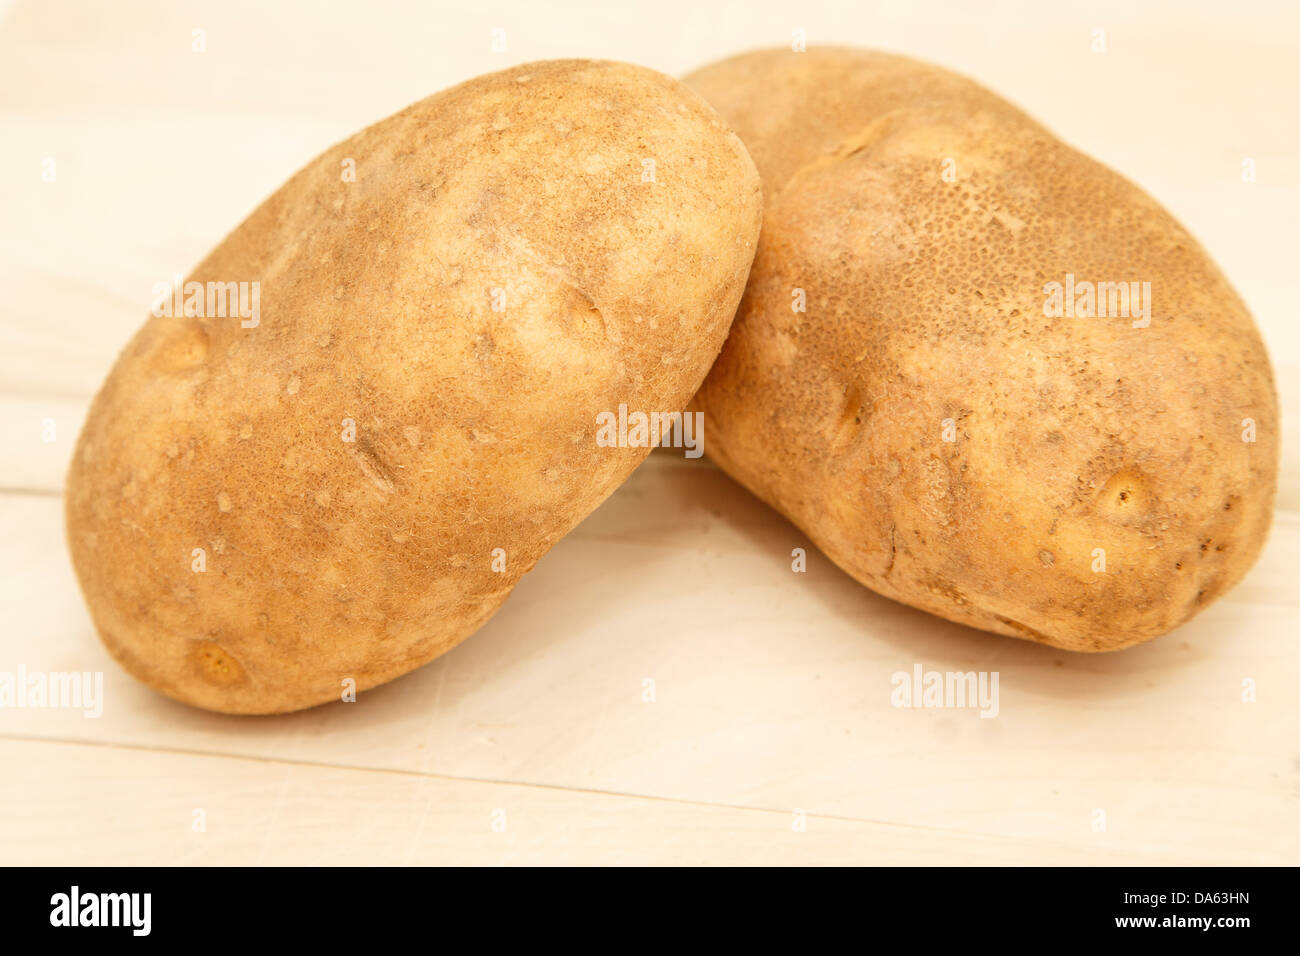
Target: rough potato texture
502,270
1094,489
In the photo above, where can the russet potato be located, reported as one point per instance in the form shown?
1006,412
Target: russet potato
988,376
343,477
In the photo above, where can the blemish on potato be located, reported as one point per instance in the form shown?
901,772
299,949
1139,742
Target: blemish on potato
183,350
1024,630
223,502
850,412
374,468
216,665
1125,495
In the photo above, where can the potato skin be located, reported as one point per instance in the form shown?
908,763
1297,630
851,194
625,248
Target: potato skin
925,302
474,429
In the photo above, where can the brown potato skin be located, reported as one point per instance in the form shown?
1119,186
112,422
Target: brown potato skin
475,429
925,302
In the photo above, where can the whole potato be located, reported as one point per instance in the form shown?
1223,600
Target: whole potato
347,478
915,380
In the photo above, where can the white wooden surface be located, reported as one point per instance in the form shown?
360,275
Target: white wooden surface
772,688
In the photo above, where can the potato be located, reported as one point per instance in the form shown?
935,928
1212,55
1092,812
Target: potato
343,480
913,377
